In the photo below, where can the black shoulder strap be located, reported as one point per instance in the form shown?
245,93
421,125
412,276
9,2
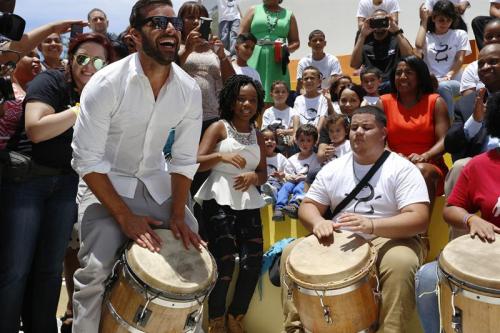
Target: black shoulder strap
362,183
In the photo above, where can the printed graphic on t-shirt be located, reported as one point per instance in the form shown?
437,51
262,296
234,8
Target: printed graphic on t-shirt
443,48
310,116
304,170
496,209
363,200
230,3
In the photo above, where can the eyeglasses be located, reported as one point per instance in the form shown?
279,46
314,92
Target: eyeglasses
83,59
161,22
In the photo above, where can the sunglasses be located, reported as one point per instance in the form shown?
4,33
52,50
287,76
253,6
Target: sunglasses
83,59
161,22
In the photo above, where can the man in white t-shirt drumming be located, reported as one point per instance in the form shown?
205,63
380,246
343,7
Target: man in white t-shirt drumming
391,210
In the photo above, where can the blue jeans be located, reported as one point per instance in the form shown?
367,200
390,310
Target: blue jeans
228,31
296,190
426,281
449,90
37,217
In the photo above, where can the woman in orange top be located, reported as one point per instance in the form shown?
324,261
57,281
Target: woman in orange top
417,121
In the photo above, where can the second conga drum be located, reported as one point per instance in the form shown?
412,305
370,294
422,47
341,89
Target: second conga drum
469,284
158,292
335,287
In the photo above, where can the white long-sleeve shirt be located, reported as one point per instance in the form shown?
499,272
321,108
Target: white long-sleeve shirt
121,129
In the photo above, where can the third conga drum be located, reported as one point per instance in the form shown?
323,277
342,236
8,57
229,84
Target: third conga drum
335,287
469,284
158,292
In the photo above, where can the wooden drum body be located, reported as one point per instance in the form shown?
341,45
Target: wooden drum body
469,286
335,287
158,292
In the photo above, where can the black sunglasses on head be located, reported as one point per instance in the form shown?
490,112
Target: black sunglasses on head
161,22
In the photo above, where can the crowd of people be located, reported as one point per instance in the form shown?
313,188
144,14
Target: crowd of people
163,126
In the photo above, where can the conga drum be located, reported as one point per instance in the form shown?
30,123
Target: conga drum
335,288
469,286
158,292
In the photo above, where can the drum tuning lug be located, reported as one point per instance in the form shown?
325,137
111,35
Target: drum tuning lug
326,315
456,321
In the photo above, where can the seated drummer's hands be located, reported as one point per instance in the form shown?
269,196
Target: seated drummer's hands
355,223
181,230
138,229
484,229
324,232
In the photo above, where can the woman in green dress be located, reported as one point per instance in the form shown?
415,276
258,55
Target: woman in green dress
269,22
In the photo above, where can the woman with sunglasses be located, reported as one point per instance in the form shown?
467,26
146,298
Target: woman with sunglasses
38,212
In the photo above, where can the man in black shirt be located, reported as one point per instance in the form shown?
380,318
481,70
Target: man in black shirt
381,46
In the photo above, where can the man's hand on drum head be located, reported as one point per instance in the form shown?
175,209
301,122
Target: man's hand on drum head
356,223
324,231
181,230
484,229
138,229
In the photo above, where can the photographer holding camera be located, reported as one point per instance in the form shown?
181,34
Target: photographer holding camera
380,44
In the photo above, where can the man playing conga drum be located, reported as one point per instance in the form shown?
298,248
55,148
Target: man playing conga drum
390,211
126,114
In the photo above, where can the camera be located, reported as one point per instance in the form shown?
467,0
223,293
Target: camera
205,27
379,23
6,91
12,26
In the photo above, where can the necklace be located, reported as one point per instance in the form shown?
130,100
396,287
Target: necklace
271,20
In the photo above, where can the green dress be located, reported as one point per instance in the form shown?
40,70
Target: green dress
269,26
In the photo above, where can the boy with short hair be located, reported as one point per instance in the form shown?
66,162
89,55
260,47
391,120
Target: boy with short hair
245,44
296,171
371,78
327,64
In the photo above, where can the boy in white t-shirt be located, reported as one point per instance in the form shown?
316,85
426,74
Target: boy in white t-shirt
229,23
312,107
371,78
295,173
367,7
276,164
245,44
327,64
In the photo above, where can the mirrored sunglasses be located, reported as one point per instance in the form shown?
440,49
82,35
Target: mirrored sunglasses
83,59
161,22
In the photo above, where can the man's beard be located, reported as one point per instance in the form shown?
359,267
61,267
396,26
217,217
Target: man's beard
151,50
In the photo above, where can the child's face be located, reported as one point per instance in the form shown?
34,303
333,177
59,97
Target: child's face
344,82
311,80
317,42
245,106
370,83
279,94
337,132
442,23
244,50
305,143
270,142
349,101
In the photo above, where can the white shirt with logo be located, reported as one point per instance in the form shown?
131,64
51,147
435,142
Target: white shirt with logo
310,110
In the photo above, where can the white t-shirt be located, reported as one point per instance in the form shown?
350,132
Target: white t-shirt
328,66
341,150
429,4
494,1
470,78
440,50
366,7
275,163
371,100
247,70
301,167
277,116
310,110
228,10
397,184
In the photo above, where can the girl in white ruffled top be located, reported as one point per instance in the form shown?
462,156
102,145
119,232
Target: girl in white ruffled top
235,153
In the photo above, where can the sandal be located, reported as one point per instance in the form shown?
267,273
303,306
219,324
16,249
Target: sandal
66,323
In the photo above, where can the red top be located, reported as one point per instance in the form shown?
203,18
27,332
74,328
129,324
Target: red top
478,187
412,130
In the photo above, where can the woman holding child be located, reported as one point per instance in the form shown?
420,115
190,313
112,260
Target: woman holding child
276,30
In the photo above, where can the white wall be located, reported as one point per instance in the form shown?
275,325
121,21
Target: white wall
337,18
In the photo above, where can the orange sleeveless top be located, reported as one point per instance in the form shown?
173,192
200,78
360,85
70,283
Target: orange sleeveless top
412,130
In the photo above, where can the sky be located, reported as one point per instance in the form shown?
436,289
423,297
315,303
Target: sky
37,13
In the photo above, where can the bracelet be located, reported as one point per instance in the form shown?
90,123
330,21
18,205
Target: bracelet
466,220
76,109
373,227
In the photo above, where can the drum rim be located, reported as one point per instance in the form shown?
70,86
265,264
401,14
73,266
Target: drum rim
363,272
461,283
169,295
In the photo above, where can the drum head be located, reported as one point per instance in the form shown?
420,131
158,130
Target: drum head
174,269
472,260
348,259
